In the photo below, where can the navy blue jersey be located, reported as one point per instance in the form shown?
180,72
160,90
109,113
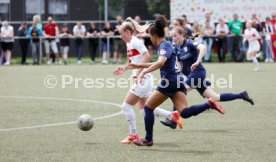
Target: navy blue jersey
169,69
187,54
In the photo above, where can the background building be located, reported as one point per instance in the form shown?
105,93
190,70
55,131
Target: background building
74,10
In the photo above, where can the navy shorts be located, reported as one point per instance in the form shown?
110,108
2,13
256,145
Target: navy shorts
197,80
169,88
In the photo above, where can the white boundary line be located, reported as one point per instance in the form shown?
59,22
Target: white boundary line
60,99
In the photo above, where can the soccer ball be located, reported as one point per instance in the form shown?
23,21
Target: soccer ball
85,122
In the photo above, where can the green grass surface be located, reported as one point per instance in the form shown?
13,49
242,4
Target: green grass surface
244,133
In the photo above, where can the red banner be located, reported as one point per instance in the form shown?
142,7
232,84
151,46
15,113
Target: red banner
273,41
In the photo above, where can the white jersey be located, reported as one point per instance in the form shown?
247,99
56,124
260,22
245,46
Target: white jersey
254,45
135,51
251,33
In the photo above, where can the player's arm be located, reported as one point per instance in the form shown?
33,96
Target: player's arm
121,69
154,66
145,59
202,50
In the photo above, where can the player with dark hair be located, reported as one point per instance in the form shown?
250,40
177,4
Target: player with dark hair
172,83
139,93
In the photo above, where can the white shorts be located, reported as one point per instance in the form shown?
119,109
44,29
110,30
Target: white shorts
53,45
143,90
253,47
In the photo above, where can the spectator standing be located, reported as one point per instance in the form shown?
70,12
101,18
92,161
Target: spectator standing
273,21
185,22
268,31
208,32
50,31
256,23
7,40
118,44
221,30
197,32
79,33
93,33
22,32
106,32
64,42
34,33
235,26
137,18
180,23
37,21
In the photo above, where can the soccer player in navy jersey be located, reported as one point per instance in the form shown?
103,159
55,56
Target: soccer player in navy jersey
189,55
171,85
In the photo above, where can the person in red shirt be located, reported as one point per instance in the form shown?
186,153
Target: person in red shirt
273,21
50,30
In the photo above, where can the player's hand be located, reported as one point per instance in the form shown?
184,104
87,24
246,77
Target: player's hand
132,66
140,78
194,66
120,70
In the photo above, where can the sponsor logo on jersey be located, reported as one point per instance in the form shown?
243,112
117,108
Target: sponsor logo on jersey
132,52
185,49
163,52
195,43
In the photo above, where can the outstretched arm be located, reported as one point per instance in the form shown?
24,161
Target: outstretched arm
202,51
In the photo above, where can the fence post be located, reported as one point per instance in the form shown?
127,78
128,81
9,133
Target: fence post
40,50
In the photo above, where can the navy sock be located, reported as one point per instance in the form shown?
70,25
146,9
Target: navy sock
194,110
230,96
149,122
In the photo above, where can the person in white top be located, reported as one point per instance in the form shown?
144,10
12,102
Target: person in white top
79,33
252,36
221,30
7,34
139,92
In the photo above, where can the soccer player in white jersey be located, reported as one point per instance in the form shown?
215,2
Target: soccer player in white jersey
252,36
139,92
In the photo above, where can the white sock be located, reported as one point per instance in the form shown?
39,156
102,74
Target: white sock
130,117
159,112
255,61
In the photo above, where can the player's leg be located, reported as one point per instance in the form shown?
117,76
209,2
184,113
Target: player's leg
255,60
210,93
154,101
130,100
158,112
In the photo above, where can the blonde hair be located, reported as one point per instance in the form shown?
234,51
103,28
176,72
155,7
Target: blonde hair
133,26
36,17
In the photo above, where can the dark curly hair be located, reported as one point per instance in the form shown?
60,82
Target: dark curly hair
158,27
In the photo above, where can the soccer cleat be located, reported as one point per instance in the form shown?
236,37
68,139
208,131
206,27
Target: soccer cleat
169,123
246,97
143,142
130,138
215,105
177,119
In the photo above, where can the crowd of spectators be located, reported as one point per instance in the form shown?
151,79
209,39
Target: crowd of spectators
57,39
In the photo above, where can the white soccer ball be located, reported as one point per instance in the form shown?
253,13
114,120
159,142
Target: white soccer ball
85,122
